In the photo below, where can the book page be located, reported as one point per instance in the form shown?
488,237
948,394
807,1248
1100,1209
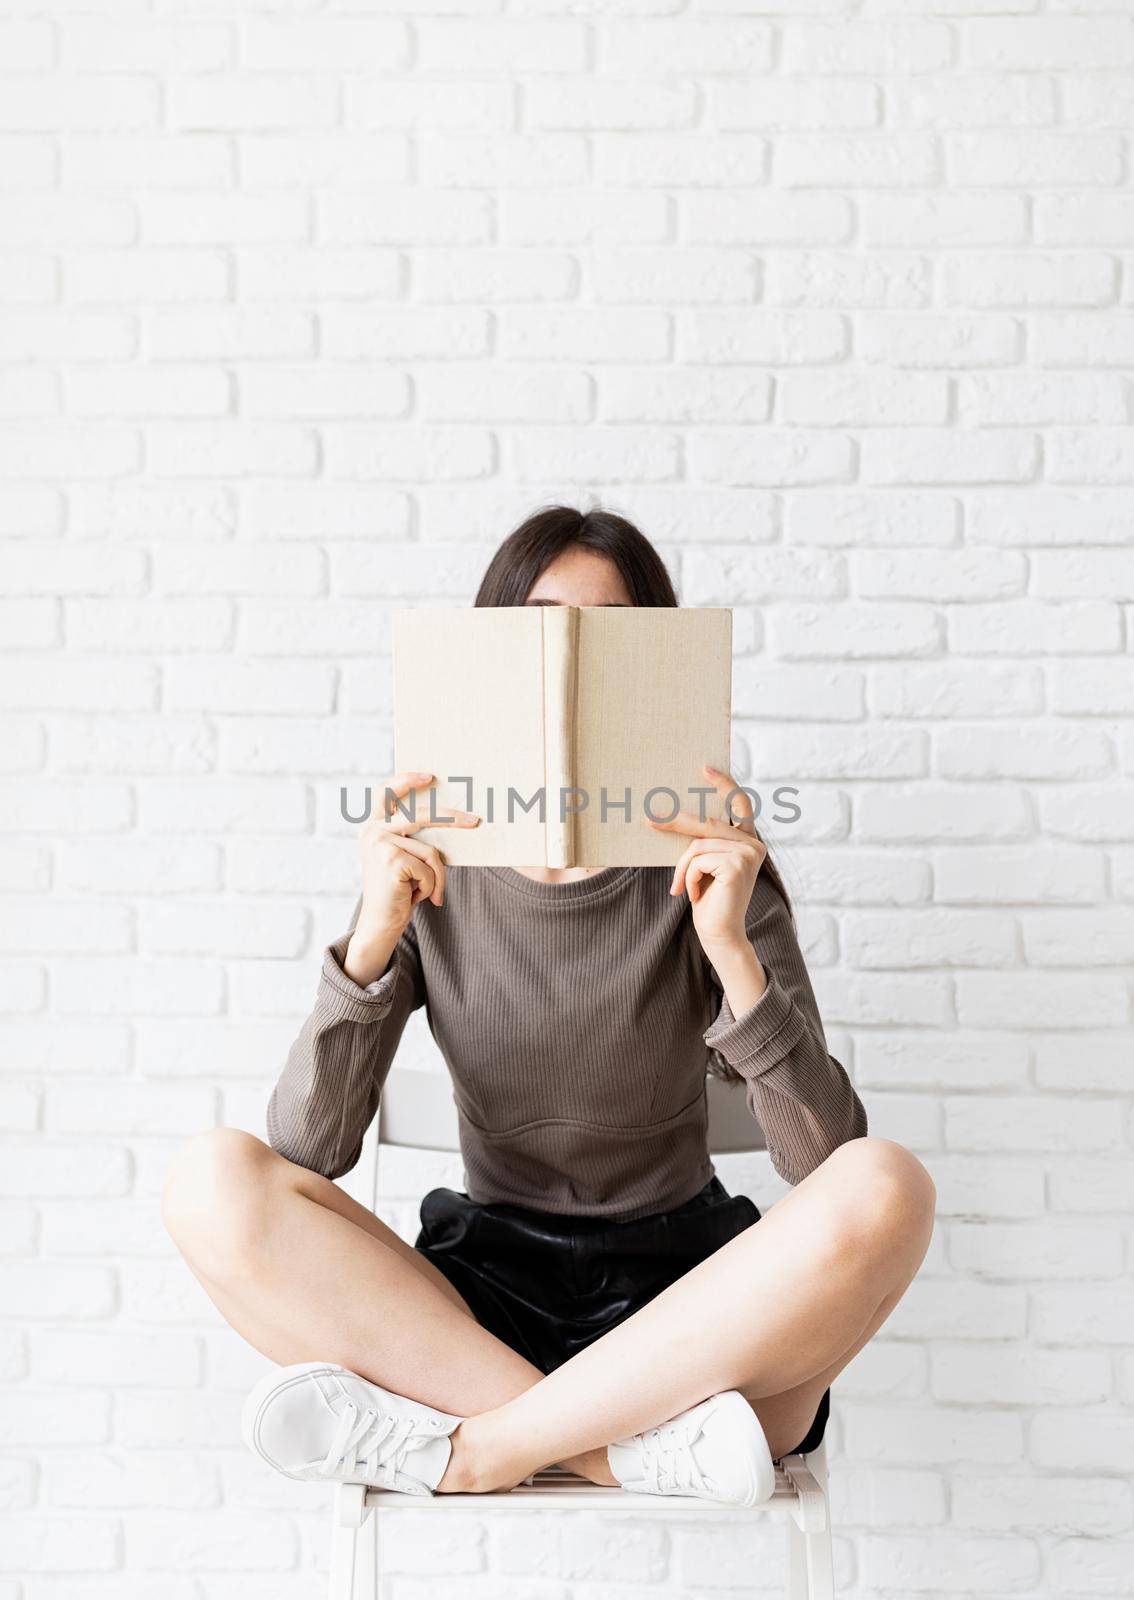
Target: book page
469,702
654,693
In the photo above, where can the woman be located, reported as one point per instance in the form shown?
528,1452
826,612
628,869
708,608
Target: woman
596,1298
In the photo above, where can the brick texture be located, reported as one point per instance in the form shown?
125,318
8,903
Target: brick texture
302,307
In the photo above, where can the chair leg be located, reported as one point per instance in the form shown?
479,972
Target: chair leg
796,1561
810,1565
349,1515
366,1559
820,1565
342,1564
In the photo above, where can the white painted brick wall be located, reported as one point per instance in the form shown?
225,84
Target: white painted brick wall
302,307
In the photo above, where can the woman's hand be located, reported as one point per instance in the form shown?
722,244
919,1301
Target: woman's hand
718,871
397,872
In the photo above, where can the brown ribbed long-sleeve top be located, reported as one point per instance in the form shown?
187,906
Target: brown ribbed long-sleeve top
578,1021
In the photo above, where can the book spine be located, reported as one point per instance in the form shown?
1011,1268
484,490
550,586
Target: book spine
560,632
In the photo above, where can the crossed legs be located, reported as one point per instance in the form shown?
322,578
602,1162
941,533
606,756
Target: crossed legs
304,1273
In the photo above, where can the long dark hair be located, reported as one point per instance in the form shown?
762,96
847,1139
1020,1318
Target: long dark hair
534,545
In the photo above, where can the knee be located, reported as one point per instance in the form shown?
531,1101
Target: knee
213,1201
887,1192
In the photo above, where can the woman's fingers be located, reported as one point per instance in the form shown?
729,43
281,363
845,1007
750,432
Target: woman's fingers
407,825
708,864
695,827
401,784
400,834
422,875
432,858
682,866
718,847
738,805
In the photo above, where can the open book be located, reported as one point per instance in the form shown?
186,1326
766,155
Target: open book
563,727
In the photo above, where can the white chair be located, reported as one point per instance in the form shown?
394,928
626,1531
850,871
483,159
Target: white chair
417,1111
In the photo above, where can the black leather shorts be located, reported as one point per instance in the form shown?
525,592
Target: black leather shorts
548,1285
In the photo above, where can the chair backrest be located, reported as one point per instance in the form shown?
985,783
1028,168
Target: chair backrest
417,1111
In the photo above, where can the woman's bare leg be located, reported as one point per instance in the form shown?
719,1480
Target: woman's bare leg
304,1273
776,1313
787,1417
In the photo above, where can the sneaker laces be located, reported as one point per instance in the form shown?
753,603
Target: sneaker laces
668,1463
369,1441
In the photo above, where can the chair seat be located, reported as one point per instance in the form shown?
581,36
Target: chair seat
797,1492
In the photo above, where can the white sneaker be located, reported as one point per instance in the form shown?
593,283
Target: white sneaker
716,1451
319,1421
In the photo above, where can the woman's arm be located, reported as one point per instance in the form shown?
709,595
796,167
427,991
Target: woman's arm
370,981
330,1087
769,1030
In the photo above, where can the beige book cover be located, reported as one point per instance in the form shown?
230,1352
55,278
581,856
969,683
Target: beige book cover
564,727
